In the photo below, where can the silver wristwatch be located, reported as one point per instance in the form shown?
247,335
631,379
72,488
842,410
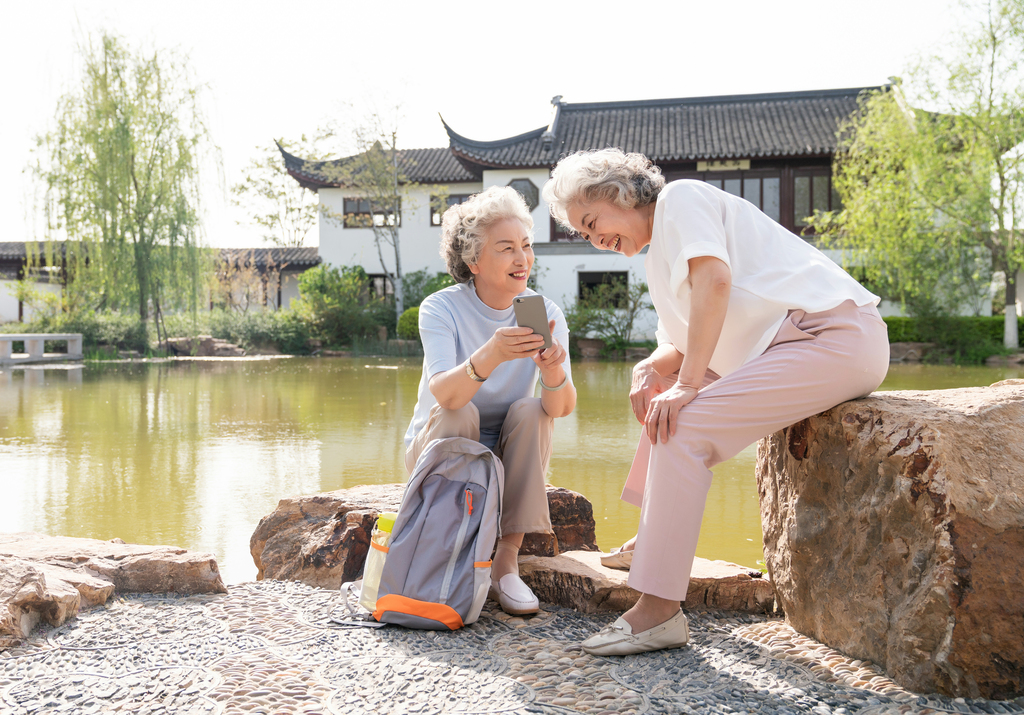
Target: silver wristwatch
471,372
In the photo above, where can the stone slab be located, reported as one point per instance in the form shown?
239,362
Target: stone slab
577,580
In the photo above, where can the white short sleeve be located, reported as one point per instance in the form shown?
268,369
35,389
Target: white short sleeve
437,333
694,223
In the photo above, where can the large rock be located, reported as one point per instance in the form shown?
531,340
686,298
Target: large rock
578,580
572,520
202,346
322,539
52,577
894,532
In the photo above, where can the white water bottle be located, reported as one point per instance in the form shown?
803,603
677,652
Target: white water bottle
379,538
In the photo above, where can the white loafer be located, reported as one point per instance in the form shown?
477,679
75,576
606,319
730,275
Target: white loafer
514,596
618,559
619,639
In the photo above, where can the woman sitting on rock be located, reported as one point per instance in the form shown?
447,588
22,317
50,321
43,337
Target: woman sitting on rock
756,330
480,370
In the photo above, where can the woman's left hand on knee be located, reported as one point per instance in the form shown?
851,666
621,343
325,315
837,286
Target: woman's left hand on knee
663,412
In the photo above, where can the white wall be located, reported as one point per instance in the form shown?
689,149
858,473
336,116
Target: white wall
539,177
340,246
289,289
9,301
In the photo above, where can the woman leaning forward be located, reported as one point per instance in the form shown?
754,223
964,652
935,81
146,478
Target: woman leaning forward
757,330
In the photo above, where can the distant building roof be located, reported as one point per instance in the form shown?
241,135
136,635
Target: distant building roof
302,257
16,251
751,126
425,166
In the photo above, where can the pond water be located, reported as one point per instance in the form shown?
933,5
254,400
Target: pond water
194,453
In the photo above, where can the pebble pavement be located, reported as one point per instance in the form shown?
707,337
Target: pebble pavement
272,647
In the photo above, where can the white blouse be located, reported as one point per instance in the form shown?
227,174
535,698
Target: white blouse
773,271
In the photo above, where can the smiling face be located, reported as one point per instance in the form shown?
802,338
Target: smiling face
504,265
612,228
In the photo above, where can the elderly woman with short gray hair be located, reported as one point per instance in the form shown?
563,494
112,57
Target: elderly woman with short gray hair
757,330
480,370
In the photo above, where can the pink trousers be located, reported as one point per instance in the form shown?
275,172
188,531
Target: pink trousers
816,361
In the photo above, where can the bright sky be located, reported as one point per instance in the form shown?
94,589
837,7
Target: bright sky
490,69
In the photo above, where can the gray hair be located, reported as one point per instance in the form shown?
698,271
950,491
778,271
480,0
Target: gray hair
626,180
464,226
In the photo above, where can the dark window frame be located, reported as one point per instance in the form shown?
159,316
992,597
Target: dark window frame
379,282
588,280
563,235
435,217
832,201
364,214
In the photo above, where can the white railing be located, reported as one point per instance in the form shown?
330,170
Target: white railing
34,346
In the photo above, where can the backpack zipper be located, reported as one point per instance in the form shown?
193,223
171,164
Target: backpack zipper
446,584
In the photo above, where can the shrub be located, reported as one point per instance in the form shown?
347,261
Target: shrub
118,330
337,305
409,324
417,285
965,339
610,312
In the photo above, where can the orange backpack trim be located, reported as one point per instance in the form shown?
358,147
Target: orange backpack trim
375,545
424,609
482,564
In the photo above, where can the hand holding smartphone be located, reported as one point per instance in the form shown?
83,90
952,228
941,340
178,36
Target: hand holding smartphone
531,313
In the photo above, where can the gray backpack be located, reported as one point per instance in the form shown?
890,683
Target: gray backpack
438,567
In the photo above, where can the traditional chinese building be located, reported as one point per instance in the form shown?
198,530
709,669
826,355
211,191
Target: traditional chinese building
774,150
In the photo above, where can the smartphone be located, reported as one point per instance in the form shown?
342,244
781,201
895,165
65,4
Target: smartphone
530,313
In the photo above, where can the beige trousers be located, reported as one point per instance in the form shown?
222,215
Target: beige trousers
524,448
816,361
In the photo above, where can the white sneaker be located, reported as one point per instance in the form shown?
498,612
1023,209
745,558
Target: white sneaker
514,596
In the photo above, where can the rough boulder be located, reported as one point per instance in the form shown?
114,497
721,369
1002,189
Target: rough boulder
322,539
894,532
53,577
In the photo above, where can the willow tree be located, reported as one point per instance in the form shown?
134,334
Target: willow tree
933,183
121,173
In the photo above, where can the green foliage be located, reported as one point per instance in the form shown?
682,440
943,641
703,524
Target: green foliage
609,311
887,230
123,331
409,324
337,306
964,339
419,284
931,198
121,175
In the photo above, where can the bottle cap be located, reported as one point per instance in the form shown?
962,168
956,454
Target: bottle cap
386,521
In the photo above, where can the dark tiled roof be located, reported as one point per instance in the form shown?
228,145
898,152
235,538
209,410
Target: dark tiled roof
425,166
12,250
302,257
749,126
16,250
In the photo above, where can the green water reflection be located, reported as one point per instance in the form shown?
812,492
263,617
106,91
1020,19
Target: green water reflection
195,453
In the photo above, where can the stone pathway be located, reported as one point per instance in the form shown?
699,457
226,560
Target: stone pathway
271,647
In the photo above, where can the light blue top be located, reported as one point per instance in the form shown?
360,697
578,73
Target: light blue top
454,322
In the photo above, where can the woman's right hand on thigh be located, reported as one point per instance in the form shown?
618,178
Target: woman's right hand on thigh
646,384
514,343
